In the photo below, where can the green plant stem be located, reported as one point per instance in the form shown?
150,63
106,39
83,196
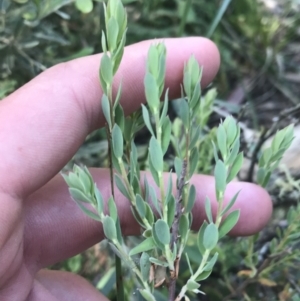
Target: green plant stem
194,277
184,17
119,279
160,175
132,265
131,193
119,274
175,230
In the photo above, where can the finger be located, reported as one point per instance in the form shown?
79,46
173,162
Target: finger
57,229
44,123
63,286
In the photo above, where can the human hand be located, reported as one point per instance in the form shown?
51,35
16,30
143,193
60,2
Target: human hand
42,125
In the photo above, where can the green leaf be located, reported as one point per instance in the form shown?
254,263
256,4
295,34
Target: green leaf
236,167
88,212
146,245
184,227
145,266
191,199
204,275
189,264
106,72
99,199
146,118
119,117
85,6
184,113
79,196
151,91
109,228
220,177
215,152
208,209
106,109
121,186
158,262
140,206
122,256
178,166
154,200
147,295
192,285
153,171
211,263
231,129
169,189
171,210
112,33
229,223
234,152
222,138
119,53
166,134
117,141
230,204
152,61
200,237
112,209
117,99
165,108
156,155
136,216
210,236
149,214
162,231
194,160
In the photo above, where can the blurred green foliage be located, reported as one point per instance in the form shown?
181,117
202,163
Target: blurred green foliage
259,42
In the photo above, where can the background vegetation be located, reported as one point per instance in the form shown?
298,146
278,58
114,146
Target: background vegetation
258,83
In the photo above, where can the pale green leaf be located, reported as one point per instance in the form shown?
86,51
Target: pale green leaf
106,109
146,245
158,262
162,231
146,118
117,141
156,155
145,265
140,206
112,33
121,186
192,285
220,177
222,141
80,196
147,295
151,91
229,222
106,69
200,237
191,199
112,208
109,228
236,167
210,236
230,204
208,209
204,275
211,263
85,6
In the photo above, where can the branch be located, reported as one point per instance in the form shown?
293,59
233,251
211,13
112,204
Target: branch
175,228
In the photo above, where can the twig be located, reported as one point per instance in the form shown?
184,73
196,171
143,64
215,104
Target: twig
175,228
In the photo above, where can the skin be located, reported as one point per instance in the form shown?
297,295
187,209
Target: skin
42,126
